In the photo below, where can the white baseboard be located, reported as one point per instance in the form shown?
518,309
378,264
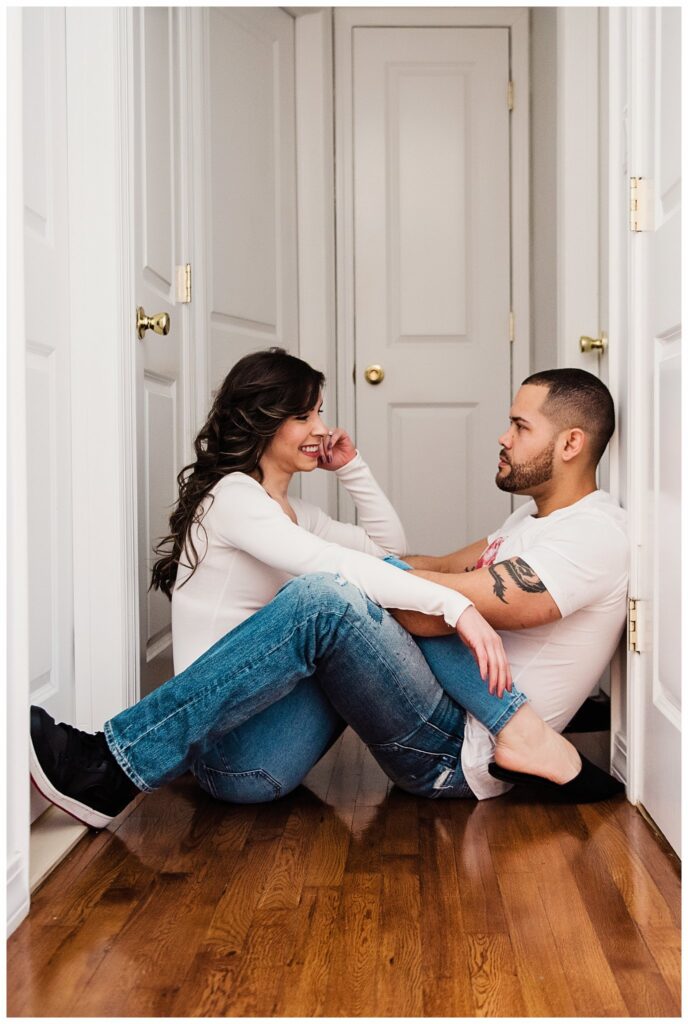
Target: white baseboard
53,836
17,892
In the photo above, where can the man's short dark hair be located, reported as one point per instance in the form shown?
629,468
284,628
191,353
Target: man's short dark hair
578,399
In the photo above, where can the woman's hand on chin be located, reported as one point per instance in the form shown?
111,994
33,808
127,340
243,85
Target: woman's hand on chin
487,649
337,449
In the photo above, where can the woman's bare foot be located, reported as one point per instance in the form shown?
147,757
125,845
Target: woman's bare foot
527,744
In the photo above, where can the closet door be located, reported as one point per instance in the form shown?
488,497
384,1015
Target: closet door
432,273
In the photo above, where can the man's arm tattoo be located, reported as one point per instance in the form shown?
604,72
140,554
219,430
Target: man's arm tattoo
499,587
522,575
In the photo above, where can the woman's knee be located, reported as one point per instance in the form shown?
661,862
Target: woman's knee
323,590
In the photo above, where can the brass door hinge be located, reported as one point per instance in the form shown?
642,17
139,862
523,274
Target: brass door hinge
634,625
640,204
510,95
184,283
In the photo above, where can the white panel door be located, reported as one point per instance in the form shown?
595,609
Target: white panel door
655,415
249,208
51,599
432,273
163,388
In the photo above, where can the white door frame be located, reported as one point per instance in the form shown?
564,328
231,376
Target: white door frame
517,20
15,570
616,56
100,133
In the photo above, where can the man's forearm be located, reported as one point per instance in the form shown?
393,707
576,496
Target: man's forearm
508,594
462,560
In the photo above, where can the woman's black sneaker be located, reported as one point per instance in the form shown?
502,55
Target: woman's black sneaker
77,772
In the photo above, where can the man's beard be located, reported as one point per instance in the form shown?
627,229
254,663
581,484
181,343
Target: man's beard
526,475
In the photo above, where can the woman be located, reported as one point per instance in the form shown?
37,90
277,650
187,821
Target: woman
237,536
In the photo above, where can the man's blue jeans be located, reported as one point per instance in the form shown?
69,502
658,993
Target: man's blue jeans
320,652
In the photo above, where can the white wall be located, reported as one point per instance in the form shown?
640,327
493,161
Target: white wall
543,184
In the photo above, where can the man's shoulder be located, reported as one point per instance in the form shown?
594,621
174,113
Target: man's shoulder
598,514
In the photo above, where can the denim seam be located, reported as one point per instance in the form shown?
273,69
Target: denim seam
415,750
265,775
122,761
517,702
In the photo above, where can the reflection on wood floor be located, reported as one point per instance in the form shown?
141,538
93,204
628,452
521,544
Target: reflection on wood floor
350,898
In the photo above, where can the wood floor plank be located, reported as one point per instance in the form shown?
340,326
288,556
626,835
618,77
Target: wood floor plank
304,990
481,902
352,981
541,974
589,976
368,827
634,879
447,990
233,913
401,827
285,882
494,979
328,842
257,982
637,976
400,976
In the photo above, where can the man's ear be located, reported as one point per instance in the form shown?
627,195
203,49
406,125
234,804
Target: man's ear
574,442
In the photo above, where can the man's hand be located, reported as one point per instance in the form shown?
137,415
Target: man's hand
487,649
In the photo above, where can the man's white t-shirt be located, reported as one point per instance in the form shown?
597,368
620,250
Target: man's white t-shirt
581,555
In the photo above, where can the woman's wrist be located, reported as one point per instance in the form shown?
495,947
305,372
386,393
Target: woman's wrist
355,460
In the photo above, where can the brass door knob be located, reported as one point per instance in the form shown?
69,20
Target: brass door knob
593,344
159,322
374,374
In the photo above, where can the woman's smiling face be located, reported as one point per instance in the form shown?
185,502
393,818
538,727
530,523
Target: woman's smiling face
298,443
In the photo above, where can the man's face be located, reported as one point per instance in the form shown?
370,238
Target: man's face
526,459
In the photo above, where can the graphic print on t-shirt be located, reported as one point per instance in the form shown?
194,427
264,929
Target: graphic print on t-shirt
489,555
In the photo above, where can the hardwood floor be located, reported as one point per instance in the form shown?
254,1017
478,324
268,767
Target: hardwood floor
351,898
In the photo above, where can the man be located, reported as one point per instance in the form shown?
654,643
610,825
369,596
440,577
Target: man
557,594
553,579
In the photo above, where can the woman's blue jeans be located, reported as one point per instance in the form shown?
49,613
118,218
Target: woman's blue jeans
253,714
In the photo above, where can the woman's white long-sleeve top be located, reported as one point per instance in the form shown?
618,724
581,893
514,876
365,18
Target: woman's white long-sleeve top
249,548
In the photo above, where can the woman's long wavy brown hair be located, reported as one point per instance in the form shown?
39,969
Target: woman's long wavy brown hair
258,394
